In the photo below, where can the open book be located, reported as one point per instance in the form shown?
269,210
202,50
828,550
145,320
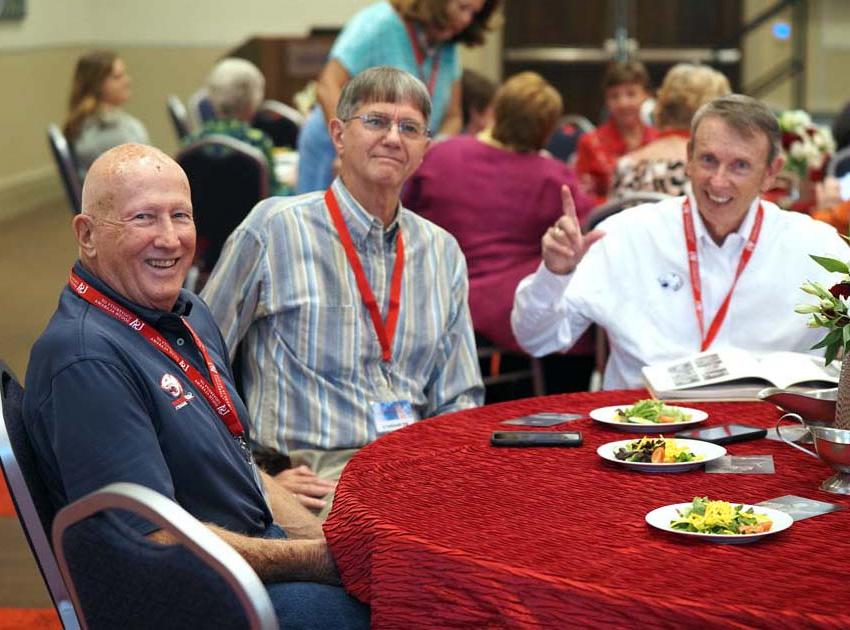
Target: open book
737,375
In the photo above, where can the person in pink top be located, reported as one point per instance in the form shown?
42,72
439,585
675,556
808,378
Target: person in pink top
626,87
496,194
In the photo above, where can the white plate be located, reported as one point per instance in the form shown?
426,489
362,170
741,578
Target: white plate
607,415
708,451
661,518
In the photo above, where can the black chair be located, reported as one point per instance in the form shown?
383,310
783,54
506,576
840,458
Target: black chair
500,367
228,177
280,121
121,579
839,165
68,169
564,141
29,494
179,117
200,107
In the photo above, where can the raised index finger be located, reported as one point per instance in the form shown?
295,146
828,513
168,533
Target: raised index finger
567,204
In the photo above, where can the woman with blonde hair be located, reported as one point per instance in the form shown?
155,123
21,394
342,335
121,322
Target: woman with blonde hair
660,165
497,193
95,121
419,36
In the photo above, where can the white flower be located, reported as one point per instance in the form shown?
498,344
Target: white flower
798,150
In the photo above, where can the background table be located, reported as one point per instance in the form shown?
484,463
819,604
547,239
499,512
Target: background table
435,528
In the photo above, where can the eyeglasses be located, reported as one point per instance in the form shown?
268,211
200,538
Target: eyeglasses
380,123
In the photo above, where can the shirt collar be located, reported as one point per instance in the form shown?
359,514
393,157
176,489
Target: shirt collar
361,223
739,235
182,307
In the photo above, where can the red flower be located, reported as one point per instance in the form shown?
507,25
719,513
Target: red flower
841,289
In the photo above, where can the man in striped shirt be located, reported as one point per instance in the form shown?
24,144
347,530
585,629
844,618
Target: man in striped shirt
351,310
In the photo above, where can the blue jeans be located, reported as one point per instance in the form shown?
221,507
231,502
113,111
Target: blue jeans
316,154
313,606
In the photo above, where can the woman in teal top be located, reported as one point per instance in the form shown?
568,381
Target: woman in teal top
419,36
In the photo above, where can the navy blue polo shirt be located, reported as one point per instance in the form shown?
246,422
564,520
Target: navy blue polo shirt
103,405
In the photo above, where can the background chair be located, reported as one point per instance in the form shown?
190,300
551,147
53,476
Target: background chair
200,108
121,579
280,121
564,140
839,165
29,494
67,165
505,371
228,177
179,117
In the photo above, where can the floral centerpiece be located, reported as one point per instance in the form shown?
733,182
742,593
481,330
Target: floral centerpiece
806,146
831,312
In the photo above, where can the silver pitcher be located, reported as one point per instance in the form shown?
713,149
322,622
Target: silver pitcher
832,446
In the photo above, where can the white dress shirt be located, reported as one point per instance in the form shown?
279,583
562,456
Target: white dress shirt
635,283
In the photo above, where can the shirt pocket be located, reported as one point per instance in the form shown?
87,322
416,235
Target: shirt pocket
324,338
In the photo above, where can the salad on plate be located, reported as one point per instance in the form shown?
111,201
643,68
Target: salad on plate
656,451
651,412
704,516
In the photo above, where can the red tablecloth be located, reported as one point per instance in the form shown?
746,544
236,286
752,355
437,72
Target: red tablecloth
435,528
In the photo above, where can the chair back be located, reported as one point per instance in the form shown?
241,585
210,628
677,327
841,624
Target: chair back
564,141
67,165
29,494
179,117
839,165
280,121
613,206
228,177
200,107
119,578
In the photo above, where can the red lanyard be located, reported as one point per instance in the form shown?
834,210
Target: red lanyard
384,330
693,264
216,394
419,54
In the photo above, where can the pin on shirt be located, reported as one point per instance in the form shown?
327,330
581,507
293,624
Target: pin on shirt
671,281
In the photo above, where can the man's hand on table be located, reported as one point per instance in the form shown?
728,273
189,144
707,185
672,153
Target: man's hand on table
307,487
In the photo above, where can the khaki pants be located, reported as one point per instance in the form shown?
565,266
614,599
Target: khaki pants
326,464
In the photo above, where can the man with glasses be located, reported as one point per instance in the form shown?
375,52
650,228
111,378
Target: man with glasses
351,311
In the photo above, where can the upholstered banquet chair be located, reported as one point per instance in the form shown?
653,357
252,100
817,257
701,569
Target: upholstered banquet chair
121,579
228,177
179,117
280,121
29,494
66,163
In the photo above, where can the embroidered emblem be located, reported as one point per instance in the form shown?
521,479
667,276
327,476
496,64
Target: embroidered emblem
173,388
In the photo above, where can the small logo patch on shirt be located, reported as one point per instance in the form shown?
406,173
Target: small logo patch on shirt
171,386
670,280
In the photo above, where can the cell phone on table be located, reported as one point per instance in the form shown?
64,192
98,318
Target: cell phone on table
536,438
724,434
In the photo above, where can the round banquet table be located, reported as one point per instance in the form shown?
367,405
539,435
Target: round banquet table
433,527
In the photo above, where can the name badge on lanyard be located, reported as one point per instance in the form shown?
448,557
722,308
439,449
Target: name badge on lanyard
392,415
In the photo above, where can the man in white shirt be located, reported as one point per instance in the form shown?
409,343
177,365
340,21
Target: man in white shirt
747,260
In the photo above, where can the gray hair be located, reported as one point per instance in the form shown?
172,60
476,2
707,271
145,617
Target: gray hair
236,88
383,84
746,115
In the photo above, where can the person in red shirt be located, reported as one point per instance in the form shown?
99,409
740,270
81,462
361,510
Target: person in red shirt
626,87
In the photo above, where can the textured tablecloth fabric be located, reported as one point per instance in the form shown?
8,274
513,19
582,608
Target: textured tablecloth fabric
434,527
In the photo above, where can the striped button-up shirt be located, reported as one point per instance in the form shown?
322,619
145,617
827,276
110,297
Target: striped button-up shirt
311,360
